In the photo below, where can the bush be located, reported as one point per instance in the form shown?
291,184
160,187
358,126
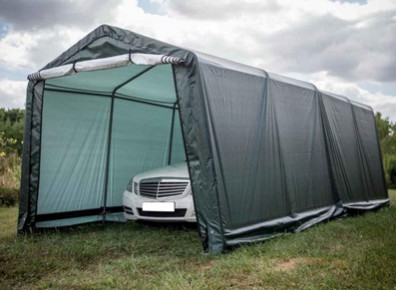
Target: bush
8,196
11,130
390,170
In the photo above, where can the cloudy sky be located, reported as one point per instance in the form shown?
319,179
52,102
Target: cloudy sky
346,47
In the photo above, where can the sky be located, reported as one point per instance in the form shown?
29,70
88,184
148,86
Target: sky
346,47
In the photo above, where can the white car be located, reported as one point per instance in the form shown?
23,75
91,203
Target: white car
162,194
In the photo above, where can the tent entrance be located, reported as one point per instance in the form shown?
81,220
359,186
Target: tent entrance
99,129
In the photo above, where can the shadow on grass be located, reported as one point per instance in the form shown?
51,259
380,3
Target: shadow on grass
109,225
87,246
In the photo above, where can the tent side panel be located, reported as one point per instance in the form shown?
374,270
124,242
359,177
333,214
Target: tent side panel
30,157
354,152
197,140
344,149
25,169
371,159
270,155
239,114
302,146
72,171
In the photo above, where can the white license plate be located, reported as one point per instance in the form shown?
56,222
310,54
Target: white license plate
159,206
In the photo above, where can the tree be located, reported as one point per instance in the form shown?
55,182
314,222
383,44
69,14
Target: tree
387,137
386,134
384,126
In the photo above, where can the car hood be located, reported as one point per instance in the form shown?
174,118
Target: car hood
179,170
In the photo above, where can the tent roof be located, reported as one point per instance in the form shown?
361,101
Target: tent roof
91,46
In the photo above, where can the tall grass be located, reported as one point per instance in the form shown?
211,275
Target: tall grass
10,170
10,177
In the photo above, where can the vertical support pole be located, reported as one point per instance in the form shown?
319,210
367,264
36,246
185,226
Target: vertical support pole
109,136
171,134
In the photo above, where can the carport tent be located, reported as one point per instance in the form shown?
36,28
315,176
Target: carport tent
266,154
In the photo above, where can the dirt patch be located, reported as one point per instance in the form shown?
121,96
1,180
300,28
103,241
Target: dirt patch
336,247
289,265
206,266
285,265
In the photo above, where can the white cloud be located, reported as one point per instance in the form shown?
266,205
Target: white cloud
12,93
288,36
353,43
32,50
14,48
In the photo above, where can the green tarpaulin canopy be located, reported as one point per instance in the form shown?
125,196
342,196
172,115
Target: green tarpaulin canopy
266,154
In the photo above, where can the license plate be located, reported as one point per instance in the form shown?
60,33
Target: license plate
159,206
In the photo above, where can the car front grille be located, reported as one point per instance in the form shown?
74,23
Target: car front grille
162,188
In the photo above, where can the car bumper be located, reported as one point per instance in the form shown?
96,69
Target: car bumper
184,209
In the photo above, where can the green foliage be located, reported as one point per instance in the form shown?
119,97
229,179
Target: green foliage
11,130
388,144
11,139
383,126
387,138
390,169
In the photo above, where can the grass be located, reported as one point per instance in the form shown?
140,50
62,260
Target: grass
353,253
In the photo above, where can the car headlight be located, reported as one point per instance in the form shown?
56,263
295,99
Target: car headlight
129,186
136,188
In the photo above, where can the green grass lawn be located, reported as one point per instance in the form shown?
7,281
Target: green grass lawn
353,253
